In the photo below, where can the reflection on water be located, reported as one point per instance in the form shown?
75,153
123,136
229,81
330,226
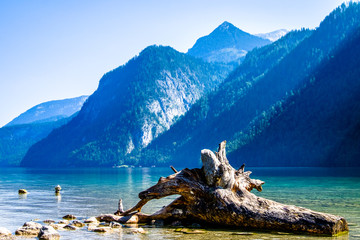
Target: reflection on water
90,192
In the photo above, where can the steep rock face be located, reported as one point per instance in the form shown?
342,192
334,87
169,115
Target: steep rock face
226,44
132,105
213,111
50,111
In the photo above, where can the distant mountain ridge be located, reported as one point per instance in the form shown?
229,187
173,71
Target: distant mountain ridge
274,35
33,125
226,44
50,111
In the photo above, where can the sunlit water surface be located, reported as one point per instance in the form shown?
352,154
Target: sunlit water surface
90,192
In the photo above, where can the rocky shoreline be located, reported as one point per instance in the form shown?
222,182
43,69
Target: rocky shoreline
49,229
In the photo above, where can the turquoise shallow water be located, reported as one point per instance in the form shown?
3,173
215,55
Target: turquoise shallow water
90,192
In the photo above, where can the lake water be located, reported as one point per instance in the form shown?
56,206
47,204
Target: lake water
90,192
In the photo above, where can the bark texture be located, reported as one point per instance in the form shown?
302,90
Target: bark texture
219,195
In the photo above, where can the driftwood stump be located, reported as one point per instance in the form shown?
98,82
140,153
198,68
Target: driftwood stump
219,195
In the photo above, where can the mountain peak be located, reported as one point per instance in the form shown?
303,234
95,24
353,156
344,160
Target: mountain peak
225,26
226,44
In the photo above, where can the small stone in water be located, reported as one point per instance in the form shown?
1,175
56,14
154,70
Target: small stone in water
57,189
57,226
48,221
23,191
91,220
29,229
69,217
64,222
48,233
70,227
101,229
77,223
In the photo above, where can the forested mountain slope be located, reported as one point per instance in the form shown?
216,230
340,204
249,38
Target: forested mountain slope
227,112
132,105
318,124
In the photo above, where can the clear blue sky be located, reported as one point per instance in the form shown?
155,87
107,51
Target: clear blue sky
60,48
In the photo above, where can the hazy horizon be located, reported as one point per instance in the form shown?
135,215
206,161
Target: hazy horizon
58,50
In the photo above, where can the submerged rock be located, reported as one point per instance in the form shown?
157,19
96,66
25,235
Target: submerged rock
64,222
4,232
48,233
101,229
77,223
70,227
48,221
91,220
137,230
23,191
115,225
57,226
69,217
29,229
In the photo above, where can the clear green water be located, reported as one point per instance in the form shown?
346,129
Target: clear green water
90,192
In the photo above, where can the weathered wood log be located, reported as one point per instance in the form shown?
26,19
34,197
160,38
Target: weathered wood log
217,194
